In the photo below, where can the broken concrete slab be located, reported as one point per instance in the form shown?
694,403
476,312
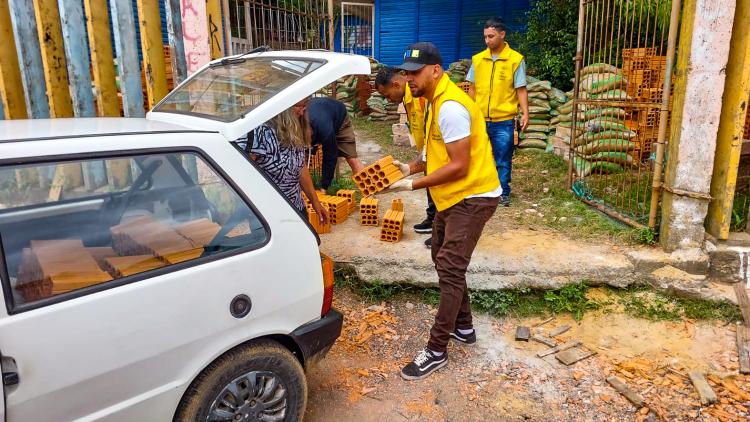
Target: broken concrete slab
571,356
560,348
523,333
623,389
559,330
706,393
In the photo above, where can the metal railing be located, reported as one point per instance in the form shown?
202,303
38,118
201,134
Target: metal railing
621,107
282,25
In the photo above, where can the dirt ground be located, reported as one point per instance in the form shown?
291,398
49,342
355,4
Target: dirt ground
502,379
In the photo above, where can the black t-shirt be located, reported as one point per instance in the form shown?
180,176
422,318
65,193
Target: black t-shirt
326,117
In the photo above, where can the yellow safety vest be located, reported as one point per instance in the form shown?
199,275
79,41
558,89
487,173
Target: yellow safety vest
482,176
493,83
415,115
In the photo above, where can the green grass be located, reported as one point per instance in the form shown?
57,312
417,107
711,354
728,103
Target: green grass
644,302
540,178
637,301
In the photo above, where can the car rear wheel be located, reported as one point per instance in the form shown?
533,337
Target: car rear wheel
260,382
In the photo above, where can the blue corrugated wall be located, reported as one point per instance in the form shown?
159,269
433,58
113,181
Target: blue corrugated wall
455,26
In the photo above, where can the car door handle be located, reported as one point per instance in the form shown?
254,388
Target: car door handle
10,378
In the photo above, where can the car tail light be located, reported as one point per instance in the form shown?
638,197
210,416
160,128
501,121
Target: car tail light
327,263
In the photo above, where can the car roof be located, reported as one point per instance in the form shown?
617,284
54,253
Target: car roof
40,129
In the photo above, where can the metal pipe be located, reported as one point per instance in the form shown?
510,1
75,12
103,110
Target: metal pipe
663,115
578,59
614,214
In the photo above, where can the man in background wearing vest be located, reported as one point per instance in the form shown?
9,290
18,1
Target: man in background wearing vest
462,180
498,85
391,84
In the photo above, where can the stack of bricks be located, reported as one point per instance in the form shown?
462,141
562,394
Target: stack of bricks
52,267
368,211
314,220
377,176
393,222
349,195
645,73
338,208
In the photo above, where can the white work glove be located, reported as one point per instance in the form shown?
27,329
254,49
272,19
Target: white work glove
404,168
399,185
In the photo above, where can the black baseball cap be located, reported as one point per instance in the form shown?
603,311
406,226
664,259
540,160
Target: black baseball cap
419,54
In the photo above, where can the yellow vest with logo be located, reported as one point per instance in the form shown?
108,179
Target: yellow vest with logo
482,176
415,115
493,83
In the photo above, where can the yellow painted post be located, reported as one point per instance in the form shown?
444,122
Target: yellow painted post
215,32
11,85
53,58
731,126
97,23
153,51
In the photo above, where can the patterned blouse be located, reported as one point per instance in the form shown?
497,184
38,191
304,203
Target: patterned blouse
282,164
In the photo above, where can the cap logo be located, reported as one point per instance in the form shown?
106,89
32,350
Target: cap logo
415,53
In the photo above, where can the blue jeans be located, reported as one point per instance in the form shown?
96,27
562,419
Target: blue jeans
501,139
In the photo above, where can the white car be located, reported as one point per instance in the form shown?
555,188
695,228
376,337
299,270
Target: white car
150,271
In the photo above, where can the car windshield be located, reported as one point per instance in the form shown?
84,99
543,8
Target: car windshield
227,90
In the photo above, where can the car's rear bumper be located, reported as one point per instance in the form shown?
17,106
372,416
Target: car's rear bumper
316,338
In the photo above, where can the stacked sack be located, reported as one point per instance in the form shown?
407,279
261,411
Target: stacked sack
603,142
382,110
537,132
457,70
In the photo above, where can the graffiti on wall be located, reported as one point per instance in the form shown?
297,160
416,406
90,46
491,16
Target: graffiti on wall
195,34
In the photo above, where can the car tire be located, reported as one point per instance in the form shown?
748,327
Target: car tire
241,377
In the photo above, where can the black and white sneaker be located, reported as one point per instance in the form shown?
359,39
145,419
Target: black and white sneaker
423,365
469,339
424,227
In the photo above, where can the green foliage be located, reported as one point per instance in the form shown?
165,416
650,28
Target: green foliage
571,298
549,44
658,13
645,236
644,302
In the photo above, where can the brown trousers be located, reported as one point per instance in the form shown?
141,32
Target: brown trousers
455,233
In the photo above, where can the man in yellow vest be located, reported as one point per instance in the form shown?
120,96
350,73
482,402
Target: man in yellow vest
391,84
463,182
498,77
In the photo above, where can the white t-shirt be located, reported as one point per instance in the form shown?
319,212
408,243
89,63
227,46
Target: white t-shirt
454,121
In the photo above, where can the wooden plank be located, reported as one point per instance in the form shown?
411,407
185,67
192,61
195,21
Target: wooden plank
215,32
103,68
11,85
731,125
706,393
94,175
118,173
53,58
544,340
176,42
743,302
523,333
573,355
559,330
228,50
743,348
540,323
152,50
623,389
30,58
127,58
77,55
565,346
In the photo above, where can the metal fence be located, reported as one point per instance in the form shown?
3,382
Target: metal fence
358,28
621,110
280,24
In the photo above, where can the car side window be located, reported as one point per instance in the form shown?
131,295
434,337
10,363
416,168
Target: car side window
71,225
